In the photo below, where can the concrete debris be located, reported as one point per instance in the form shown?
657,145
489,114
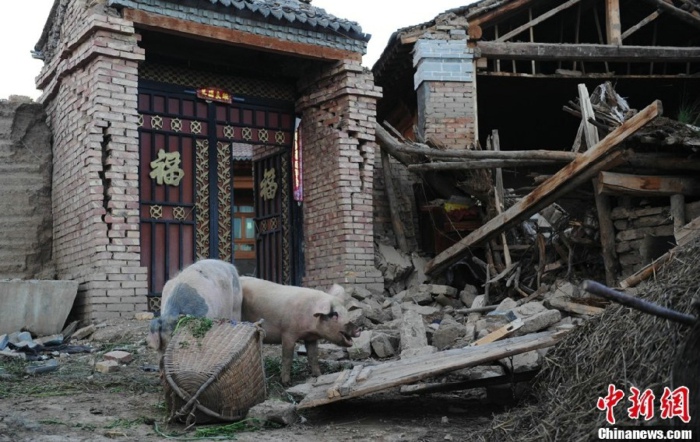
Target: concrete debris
361,346
468,294
538,321
121,357
412,331
448,333
143,316
108,366
274,411
395,267
382,345
48,341
84,332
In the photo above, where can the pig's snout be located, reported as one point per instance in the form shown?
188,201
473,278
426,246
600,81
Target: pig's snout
351,331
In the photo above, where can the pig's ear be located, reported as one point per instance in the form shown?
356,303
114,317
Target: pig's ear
323,309
338,291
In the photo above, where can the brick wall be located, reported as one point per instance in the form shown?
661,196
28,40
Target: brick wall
446,91
25,191
90,92
338,106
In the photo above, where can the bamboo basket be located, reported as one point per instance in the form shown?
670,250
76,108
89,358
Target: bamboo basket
217,377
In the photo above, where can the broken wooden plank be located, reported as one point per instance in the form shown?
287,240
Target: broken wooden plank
677,212
561,303
688,232
499,195
334,390
585,52
478,164
352,379
582,168
437,387
500,333
646,271
364,374
408,371
612,183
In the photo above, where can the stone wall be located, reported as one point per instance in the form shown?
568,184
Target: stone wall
338,105
25,191
90,94
642,234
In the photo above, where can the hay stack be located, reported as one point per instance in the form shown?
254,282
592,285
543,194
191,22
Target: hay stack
622,346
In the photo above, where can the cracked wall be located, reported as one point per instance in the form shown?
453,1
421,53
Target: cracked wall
339,108
90,81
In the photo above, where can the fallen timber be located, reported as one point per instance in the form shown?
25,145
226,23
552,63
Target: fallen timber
410,156
603,156
371,379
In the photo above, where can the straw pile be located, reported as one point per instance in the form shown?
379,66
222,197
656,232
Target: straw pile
623,347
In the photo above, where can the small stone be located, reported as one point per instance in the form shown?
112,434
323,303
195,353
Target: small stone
84,332
51,365
107,366
275,411
448,437
12,354
527,361
332,352
445,420
538,322
447,301
412,331
421,295
359,293
448,332
299,391
437,289
143,316
468,294
121,357
506,304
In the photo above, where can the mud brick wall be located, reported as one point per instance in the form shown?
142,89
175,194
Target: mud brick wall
90,95
25,191
446,91
338,106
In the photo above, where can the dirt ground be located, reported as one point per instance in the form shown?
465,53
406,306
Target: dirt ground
76,403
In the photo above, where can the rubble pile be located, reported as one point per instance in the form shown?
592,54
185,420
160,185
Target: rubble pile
623,347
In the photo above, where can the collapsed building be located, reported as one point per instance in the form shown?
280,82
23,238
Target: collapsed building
494,92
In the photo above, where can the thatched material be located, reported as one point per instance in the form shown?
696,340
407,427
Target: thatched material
622,347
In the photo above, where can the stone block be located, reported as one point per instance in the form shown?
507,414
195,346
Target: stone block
361,346
448,333
468,294
382,345
275,411
122,357
539,321
412,331
107,366
420,351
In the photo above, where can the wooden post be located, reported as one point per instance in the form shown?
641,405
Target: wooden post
677,211
397,224
607,235
500,196
612,22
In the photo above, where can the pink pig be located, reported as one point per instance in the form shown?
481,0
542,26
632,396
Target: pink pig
296,313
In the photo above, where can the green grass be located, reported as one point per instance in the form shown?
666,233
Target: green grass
689,112
197,326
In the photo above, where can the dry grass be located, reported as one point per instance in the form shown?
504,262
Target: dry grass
622,346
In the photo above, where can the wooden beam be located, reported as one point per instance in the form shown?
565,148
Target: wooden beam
585,52
677,212
612,183
394,211
613,28
235,37
649,18
676,12
579,171
477,164
537,20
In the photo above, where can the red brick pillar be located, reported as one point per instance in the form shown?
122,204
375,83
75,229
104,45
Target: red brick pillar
338,107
